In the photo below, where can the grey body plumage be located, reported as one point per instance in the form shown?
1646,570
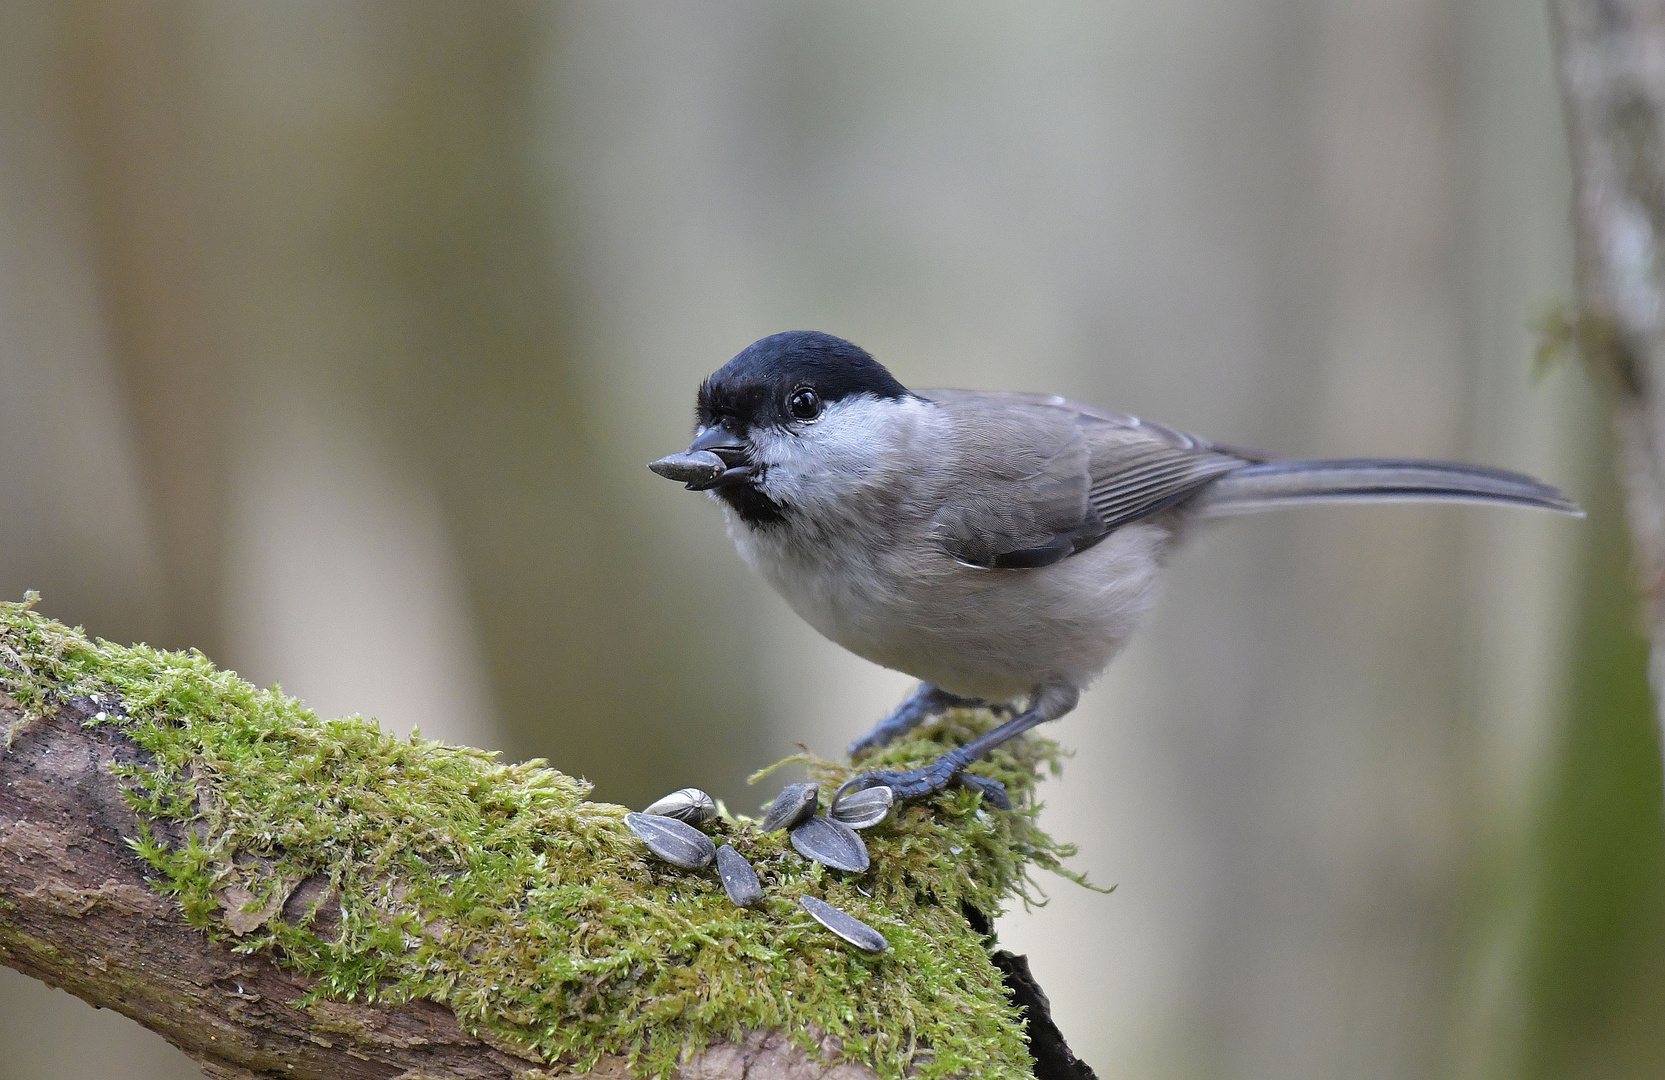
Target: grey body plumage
993,545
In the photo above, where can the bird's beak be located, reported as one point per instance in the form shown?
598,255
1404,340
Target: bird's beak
716,458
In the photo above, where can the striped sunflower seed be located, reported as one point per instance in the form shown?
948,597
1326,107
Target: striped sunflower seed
792,807
830,843
739,879
863,809
688,804
846,926
677,842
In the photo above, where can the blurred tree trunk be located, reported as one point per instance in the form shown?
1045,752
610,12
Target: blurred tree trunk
127,82
1598,953
1613,87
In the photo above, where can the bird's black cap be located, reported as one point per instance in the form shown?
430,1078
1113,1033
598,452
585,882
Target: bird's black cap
753,387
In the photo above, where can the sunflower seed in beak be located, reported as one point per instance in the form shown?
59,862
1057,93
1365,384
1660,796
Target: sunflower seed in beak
698,468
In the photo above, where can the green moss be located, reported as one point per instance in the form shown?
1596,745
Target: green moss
533,913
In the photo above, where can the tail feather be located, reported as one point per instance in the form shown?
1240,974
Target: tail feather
1274,484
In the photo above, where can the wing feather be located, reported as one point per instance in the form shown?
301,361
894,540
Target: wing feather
1041,478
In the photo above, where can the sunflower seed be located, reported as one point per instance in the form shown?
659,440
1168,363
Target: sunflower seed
846,926
792,807
700,467
830,843
688,804
677,842
863,809
739,879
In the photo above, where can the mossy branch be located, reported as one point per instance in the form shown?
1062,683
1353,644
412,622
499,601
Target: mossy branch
284,896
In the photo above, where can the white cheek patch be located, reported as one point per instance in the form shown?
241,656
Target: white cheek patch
837,453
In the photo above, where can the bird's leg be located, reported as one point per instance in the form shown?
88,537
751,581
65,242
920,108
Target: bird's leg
918,707
1049,703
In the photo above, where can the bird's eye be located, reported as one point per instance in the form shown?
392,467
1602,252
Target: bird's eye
805,404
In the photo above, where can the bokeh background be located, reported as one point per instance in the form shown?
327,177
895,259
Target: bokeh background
334,336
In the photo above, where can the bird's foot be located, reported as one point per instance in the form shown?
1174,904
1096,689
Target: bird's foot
935,777
925,702
918,707
871,741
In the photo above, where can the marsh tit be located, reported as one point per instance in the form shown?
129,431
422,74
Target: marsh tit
996,546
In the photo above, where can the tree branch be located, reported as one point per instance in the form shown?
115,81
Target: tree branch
281,896
80,915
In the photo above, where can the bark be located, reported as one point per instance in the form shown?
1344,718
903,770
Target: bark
1610,56
76,912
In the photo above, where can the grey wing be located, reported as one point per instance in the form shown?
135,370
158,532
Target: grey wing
1042,478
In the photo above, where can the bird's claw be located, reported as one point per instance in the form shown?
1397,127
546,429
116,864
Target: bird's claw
935,777
912,784
992,790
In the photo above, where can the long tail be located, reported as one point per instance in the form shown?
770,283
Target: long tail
1274,484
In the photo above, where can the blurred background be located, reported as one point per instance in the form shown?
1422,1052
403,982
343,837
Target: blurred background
334,337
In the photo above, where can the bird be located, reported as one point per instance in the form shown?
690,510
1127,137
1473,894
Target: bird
999,547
